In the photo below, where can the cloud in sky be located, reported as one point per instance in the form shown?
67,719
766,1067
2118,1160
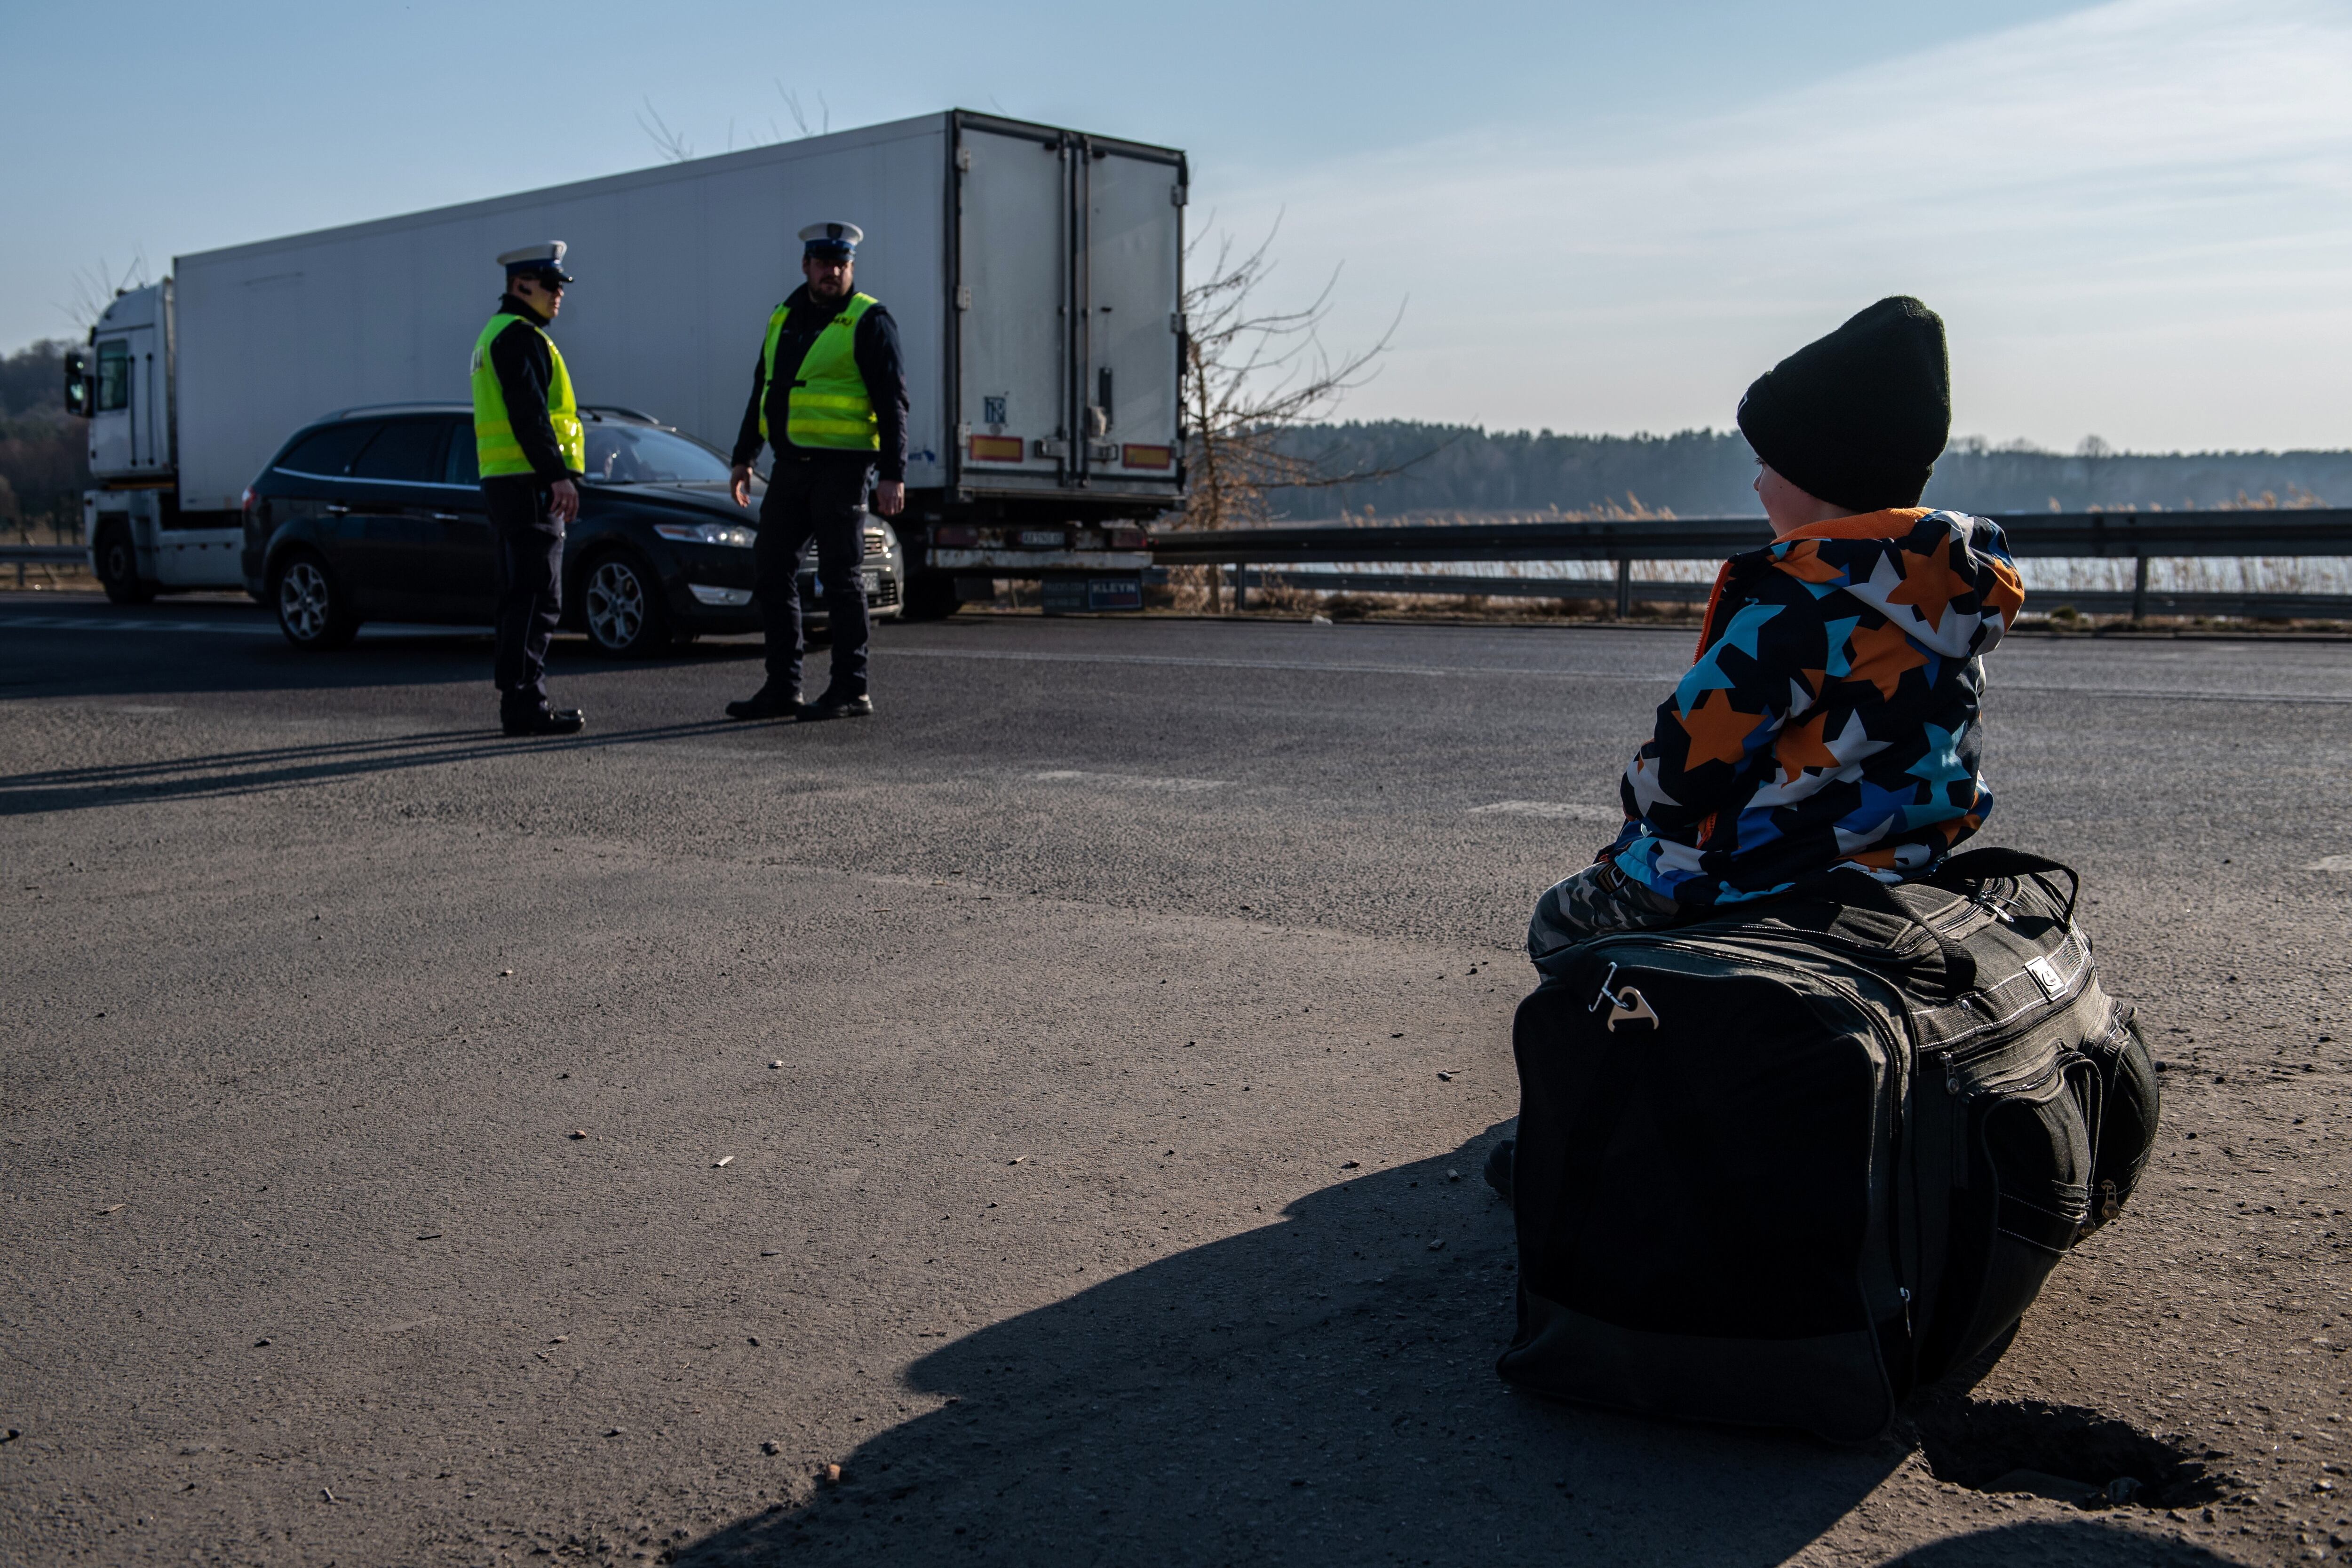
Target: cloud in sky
1607,216
2134,219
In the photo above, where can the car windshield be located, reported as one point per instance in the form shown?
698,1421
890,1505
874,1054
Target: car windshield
643,454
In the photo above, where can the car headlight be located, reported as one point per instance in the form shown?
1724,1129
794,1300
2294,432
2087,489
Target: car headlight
707,534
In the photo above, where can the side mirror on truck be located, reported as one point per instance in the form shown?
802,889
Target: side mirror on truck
77,387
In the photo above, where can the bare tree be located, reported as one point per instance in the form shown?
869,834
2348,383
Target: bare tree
95,288
673,147
1252,377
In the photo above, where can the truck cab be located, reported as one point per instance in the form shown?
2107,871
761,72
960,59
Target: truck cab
141,542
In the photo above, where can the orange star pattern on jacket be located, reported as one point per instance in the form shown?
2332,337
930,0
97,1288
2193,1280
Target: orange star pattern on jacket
1855,644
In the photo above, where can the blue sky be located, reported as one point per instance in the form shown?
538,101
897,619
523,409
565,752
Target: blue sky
2133,214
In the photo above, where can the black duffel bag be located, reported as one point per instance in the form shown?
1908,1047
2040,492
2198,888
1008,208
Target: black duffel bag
1781,1167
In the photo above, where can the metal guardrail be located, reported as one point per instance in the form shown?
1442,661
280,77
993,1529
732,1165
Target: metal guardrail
2137,536
22,555
2090,600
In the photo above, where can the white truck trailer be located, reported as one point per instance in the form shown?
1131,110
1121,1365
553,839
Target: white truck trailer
1036,274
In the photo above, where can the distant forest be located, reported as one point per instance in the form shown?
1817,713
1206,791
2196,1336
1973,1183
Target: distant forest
44,451
1709,473
1440,468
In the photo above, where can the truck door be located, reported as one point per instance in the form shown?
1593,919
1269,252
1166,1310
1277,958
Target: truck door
1013,415
1131,205
112,435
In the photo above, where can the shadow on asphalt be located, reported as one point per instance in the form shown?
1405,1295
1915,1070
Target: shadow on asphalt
1317,1391
213,775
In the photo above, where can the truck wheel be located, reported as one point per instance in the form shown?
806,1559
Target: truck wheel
117,567
930,596
313,609
621,605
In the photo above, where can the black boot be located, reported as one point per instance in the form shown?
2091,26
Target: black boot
544,721
832,706
767,702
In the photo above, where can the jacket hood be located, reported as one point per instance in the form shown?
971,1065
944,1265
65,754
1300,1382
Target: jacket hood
1945,578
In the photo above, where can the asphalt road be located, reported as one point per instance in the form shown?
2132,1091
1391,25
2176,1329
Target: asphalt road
1045,1100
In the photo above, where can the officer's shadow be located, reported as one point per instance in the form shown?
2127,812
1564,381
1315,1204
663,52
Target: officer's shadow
1319,1390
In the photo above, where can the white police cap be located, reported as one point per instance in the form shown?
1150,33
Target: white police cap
543,258
838,239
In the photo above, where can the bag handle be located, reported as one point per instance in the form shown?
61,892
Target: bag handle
1984,865
1863,891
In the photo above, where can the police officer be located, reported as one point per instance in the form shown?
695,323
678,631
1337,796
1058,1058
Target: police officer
529,441
829,395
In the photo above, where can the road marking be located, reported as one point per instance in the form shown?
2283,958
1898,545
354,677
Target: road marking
87,623
226,628
1572,810
1179,660
1646,678
2331,862
1128,780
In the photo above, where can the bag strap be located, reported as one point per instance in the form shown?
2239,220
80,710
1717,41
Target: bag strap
1863,891
1984,865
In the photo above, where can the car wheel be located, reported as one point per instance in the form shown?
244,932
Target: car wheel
930,596
313,609
621,605
117,564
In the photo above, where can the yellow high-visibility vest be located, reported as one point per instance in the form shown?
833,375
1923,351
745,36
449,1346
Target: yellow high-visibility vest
827,404
494,448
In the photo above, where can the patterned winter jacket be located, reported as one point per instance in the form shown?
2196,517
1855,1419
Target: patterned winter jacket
1831,719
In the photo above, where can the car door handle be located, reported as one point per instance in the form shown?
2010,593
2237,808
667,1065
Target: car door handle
334,511
448,517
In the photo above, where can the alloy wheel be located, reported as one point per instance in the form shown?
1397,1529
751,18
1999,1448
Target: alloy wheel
615,605
303,601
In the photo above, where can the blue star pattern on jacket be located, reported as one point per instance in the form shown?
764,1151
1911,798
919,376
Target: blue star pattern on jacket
1830,718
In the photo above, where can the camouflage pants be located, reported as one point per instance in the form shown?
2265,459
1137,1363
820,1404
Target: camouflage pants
1595,901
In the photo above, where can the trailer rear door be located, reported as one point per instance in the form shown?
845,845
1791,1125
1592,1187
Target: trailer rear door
1013,296
1133,290
1068,281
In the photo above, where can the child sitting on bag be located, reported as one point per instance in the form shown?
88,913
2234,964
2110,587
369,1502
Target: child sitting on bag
1831,720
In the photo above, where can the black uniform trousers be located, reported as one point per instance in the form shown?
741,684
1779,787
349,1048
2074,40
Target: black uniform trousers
529,543
820,498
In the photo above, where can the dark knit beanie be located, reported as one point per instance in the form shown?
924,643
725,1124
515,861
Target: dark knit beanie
1858,418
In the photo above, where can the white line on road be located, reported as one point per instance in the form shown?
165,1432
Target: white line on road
1647,678
1128,781
87,623
1572,810
1176,660
1179,660
2331,862
225,628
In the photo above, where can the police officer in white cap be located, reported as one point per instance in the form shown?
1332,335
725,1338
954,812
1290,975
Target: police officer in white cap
529,441
829,397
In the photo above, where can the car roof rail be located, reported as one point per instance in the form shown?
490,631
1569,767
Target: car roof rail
435,406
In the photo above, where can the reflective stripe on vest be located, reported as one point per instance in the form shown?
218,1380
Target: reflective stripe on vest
494,448
827,404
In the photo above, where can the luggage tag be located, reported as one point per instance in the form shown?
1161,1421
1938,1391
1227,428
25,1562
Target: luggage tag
1626,1004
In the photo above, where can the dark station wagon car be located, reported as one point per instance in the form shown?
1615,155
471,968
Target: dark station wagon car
377,513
